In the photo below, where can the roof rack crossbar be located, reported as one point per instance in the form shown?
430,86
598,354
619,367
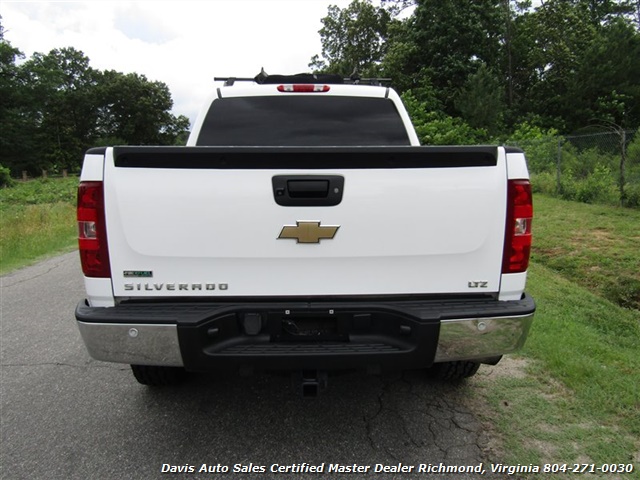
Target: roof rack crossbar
366,81
229,81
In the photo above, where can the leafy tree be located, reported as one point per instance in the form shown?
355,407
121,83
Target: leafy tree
563,33
61,103
569,59
606,86
481,100
54,106
353,39
134,110
395,7
602,12
400,62
499,63
13,126
453,39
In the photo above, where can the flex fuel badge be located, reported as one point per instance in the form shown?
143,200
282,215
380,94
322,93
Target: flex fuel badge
137,274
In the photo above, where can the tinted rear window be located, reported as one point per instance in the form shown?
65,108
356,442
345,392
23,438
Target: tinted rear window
303,121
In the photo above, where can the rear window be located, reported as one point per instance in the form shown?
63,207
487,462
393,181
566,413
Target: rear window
303,120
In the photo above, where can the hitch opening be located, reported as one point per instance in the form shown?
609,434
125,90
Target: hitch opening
310,383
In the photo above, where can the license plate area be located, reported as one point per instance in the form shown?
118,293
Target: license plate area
297,327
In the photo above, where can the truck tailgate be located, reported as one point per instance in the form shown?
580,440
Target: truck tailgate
206,221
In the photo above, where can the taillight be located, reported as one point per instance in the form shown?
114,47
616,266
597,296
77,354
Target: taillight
303,88
92,233
517,239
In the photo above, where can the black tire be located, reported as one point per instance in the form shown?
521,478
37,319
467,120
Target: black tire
453,371
155,376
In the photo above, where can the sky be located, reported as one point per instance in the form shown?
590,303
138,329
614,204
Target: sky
182,43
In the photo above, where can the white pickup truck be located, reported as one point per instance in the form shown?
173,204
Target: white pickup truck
303,228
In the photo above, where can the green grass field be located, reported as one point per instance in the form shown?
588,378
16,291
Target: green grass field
37,219
575,397
592,245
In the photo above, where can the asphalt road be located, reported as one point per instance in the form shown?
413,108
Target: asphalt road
66,416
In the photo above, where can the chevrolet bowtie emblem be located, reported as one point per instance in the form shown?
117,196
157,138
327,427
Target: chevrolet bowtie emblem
308,232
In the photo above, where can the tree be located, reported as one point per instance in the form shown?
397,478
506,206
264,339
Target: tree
566,31
134,110
602,12
61,104
606,85
13,127
499,63
396,7
400,62
353,39
569,59
481,100
453,39
54,106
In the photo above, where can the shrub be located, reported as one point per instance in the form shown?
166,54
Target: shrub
584,163
632,195
433,127
568,186
5,177
597,187
540,146
544,182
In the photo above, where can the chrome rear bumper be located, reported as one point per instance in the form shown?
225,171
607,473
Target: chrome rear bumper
135,344
480,338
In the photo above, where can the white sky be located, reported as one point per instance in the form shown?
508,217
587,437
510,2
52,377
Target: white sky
181,43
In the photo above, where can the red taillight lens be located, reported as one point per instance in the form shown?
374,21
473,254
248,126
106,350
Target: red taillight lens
517,238
92,237
303,88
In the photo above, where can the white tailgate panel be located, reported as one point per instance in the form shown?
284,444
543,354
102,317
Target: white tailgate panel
402,231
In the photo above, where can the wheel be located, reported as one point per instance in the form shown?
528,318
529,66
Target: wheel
453,371
157,376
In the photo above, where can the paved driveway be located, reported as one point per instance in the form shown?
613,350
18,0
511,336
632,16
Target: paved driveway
65,416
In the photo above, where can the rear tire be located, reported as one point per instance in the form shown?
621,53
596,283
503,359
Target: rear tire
156,376
453,371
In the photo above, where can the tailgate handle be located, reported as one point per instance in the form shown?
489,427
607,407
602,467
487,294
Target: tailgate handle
308,190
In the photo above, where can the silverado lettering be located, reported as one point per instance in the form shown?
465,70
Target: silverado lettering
174,286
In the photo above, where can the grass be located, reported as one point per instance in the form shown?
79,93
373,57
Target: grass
577,399
593,245
37,219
